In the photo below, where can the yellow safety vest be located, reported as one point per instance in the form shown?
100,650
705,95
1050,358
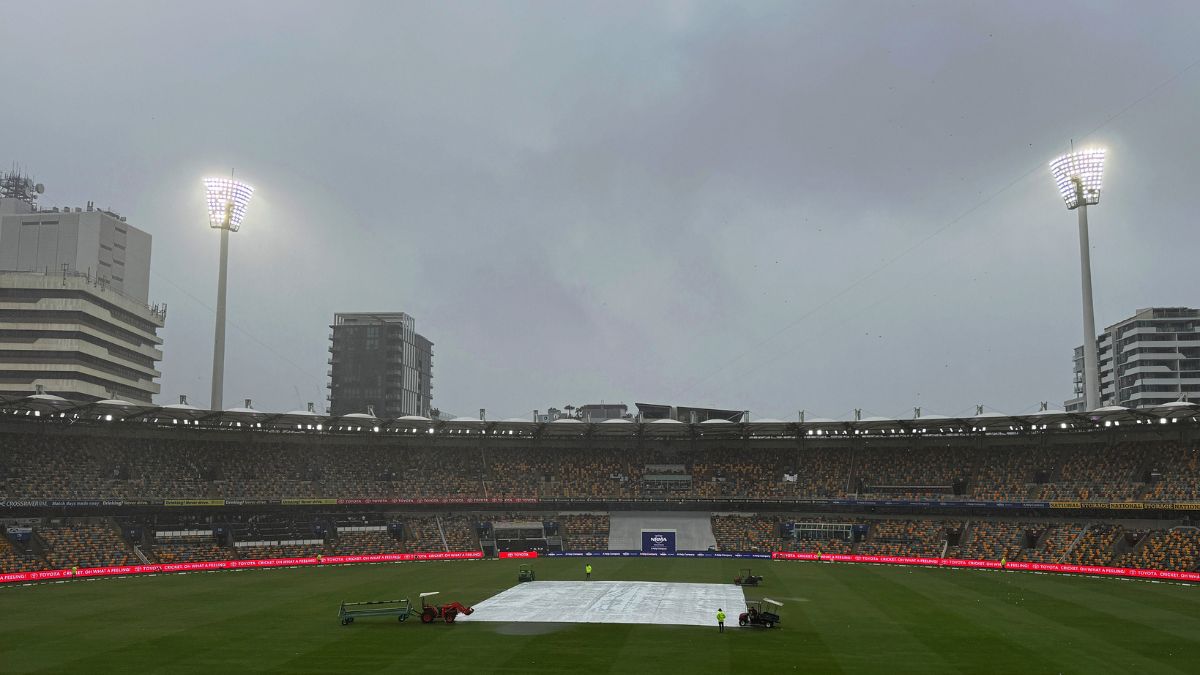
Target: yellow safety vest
721,617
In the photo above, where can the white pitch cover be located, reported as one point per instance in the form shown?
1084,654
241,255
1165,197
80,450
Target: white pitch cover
612,602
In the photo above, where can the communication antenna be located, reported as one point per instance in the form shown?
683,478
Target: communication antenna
14,184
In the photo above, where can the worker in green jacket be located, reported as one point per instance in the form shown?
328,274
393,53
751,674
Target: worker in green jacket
721,619
587,569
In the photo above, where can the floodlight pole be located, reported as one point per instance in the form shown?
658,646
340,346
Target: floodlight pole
218,369
1091,357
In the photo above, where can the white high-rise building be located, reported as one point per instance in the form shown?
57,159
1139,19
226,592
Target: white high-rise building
1151,358
74,316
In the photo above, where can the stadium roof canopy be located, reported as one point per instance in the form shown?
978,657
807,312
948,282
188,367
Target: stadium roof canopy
51,407
244,411
116,402
1179,405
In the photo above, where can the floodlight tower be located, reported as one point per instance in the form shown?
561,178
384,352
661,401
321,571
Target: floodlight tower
1078,176
227,202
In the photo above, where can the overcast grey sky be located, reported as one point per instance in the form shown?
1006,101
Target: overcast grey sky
749,205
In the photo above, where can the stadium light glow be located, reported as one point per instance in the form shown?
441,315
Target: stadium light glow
1078,176
227,202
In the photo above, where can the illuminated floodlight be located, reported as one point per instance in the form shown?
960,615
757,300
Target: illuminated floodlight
1078,175
227,202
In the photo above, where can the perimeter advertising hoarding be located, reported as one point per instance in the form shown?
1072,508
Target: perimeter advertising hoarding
1098,570
641,554
518,554
122,570
44,575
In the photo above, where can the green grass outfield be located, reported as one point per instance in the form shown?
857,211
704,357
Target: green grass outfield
837,618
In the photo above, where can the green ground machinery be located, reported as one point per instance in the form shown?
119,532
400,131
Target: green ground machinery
746,578
526,574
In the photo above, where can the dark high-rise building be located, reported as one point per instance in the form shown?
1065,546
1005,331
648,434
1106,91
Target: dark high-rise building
379,363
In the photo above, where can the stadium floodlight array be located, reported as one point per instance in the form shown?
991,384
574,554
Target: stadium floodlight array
227,202
1078,176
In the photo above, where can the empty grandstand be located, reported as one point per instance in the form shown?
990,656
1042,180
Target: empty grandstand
98,485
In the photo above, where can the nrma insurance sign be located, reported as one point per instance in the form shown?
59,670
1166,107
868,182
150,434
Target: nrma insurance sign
658,541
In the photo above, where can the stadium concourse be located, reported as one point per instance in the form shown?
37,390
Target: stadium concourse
92,485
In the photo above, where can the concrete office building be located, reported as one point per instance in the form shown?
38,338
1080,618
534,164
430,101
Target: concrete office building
74,315
1151,358
379,363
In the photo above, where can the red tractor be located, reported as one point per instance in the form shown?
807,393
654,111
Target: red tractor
447,612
